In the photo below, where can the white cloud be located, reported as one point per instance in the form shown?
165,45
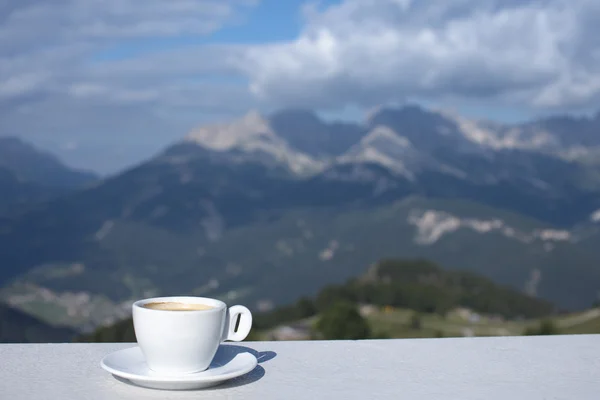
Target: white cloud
69,68
97,70
52,45
533,53
22,21
20,84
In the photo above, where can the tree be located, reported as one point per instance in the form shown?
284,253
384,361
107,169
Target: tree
415,321
305,308
342,321
380,335
546,327
254,336
120,332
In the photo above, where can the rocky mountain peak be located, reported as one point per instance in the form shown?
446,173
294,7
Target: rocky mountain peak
225,136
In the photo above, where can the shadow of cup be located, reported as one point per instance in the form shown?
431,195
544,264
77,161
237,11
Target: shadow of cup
227,352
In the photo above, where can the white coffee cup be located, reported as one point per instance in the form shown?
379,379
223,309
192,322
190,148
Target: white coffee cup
181,342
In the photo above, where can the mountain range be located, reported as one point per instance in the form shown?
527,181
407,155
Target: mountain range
29,175
265,209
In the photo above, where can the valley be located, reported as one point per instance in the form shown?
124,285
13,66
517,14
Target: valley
272,262
404,299
266,209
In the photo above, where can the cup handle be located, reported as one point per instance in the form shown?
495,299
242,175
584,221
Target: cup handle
230,333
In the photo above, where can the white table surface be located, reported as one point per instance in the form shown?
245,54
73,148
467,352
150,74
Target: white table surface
504,368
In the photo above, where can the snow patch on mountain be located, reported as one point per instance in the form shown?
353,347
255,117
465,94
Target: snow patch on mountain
225,136
531,286
104,230
499,137
385,147
213,223
329,252
253,134
554,235
432,225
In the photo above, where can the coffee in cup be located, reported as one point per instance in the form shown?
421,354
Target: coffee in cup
175,306
180,335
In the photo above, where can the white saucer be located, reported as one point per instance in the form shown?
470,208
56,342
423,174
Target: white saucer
130,364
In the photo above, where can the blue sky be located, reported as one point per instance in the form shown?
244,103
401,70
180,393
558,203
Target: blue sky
269,20
108,83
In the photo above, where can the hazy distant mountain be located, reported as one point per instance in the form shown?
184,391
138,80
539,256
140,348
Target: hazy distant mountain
442,155
306,132
29,176
15,193
427,131
35,166
255,139
385,147
572,131
266,209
